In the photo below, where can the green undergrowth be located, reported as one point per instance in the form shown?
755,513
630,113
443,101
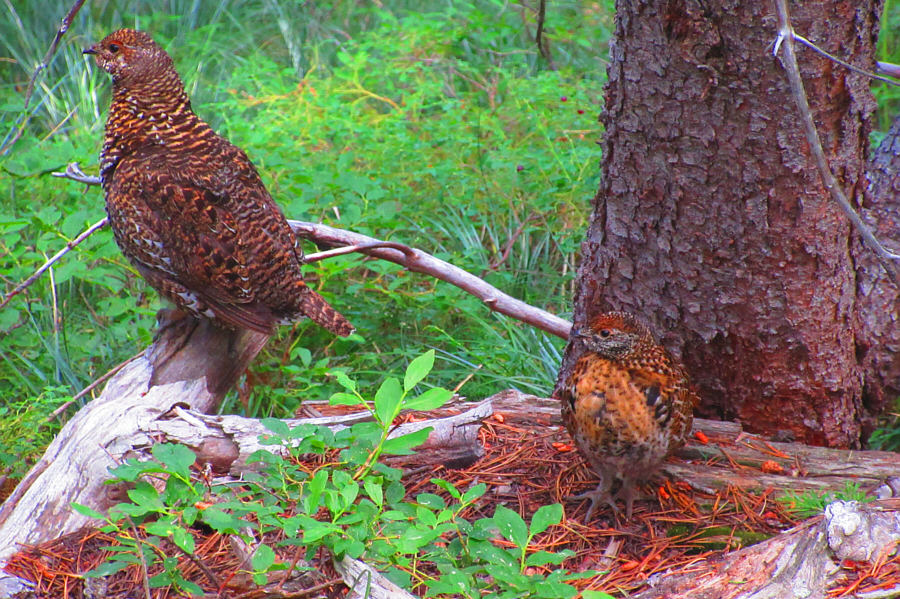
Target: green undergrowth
316,489
812,503
437,125
441,128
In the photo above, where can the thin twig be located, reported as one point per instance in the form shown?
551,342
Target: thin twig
786,38
349,249
93,385
56,257
29,91
74,172
843,63
145,573
213,579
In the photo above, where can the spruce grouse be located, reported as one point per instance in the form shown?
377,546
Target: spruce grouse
188,208
627,404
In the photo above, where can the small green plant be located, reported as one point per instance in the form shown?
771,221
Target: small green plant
323,488
17,451
812,503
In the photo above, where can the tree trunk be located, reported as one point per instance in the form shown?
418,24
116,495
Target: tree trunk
878,337
711,221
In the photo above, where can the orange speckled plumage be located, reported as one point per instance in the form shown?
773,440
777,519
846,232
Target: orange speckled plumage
188,208
627,404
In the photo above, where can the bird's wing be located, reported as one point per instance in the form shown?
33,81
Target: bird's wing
194,234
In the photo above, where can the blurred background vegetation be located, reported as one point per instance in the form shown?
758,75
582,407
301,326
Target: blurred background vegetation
434,124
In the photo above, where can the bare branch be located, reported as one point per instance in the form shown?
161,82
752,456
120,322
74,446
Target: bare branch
349,249
56,257
785,39
414,259
427,264
63,28
844,63
889,69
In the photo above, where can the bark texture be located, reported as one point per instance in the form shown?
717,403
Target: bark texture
878,340
711,222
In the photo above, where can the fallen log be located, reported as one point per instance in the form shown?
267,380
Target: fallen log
803,562
130,416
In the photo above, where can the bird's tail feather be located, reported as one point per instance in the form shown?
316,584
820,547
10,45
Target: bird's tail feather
320,312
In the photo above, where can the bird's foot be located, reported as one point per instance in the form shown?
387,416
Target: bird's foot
598,495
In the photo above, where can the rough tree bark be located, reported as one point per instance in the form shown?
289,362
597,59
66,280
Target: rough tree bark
711,221
878,336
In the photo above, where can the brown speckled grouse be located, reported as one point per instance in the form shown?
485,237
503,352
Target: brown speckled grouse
188,208
627,404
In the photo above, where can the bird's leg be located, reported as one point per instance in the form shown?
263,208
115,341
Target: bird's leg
601,493
627,493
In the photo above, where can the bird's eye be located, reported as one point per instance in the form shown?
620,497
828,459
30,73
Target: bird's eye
114,48
605,333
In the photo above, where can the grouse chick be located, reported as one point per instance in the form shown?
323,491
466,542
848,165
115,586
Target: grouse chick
627,404
188,208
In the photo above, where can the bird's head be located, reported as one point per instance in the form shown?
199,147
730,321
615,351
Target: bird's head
131,56
613,335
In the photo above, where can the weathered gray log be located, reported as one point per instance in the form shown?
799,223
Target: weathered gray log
366,582
799,563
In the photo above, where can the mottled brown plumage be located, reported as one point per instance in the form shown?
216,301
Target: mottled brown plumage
627,404
188,208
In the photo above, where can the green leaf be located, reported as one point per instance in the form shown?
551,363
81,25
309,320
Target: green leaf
387,401
544,517
541,558
177,458
106,569
315,487
183,540
430,400
447,486
343,380
374,490
596,595
263,558
161,528
343,399
547,589
279,427
86,511
145,495
403,445
473,493
511,526
418,369
432,501
349,492
221,521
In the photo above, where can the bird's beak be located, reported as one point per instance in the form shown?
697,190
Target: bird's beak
90,50
579,332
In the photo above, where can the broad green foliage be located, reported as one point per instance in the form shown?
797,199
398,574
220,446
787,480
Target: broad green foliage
354,506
